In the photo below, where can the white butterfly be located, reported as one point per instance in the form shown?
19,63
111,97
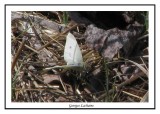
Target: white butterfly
72,52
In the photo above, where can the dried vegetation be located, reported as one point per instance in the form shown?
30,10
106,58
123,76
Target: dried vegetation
38,40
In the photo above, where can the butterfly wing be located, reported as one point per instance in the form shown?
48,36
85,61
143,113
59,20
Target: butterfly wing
72,53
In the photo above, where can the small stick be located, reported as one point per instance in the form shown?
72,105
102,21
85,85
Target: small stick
30,48
17,54
130,94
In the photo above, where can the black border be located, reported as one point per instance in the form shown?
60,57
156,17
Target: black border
5,5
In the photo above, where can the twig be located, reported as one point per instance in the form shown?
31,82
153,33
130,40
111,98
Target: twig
62,84
139,66
30,48
132,94
41,86
17,54
142,37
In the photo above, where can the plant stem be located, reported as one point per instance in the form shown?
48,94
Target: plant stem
107,80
